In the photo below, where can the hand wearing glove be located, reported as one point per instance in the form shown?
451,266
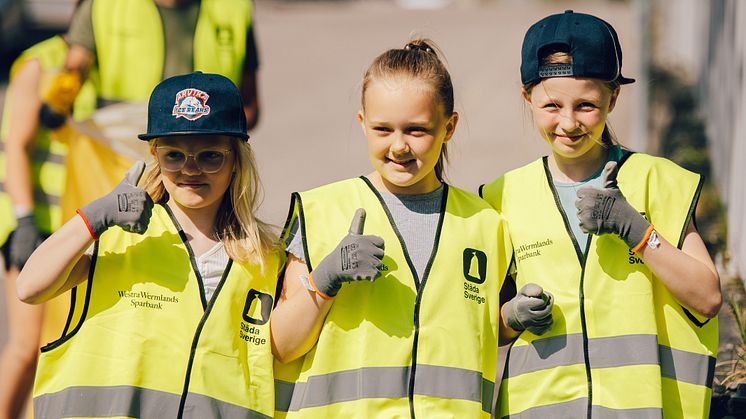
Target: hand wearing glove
58,98
127,206
357,257
602,211
25,240
530,309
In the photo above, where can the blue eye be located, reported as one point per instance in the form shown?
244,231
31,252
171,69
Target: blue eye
174,156
210,155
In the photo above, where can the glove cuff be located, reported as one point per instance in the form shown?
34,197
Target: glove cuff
644,240
511,319
26,219
327,296
87,224
636,231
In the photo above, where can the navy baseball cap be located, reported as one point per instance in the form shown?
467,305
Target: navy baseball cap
592,43
196,104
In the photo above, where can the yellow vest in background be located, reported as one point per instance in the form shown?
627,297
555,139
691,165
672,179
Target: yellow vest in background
149,345
401,346
130,44
48,157
620,343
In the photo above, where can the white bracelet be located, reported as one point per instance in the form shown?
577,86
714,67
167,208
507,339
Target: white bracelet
653,240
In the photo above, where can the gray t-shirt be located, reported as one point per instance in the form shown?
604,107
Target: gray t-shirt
415,216
567,193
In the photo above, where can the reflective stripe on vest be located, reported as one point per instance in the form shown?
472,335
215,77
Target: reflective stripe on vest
401,345
575,409
130,44
609,345
150,345
129,401
609,352
385,382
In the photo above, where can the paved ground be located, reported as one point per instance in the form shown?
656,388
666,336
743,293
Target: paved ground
313,55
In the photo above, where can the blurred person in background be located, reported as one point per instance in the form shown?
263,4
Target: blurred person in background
138,43
31,187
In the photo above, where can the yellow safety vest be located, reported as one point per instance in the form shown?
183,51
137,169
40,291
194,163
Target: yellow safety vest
130,44
620,345
48,158
150,345
401,345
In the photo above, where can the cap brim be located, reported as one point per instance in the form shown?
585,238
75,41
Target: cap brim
624,80
145,137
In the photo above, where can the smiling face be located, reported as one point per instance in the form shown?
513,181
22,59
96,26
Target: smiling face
571,113
406,128
190,187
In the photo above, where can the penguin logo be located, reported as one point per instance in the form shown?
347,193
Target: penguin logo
475,265
262,307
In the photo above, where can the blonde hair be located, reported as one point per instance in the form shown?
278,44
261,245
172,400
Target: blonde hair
420,60
246,238
608,138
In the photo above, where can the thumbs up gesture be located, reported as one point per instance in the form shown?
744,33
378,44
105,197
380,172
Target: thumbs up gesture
605,210
357,257
127,206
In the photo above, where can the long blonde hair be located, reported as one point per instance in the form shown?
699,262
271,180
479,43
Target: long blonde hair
420,60
246,238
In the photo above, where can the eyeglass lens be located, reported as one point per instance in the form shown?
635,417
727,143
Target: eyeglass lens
208,161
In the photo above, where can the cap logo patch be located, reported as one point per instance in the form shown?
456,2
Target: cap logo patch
191,104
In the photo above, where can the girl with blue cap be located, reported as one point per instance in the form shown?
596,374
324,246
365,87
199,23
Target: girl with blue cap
611,234
171,306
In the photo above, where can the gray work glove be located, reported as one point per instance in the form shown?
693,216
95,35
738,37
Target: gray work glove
357,257
530,309
25,240
127,206
602,211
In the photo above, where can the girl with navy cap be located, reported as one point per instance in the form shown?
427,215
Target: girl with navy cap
610,233
171,306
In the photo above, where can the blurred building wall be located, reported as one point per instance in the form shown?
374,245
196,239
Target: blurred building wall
705,41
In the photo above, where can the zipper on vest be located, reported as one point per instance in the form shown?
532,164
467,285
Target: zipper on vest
420,285
581,293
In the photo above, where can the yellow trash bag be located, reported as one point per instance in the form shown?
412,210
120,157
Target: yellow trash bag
100,151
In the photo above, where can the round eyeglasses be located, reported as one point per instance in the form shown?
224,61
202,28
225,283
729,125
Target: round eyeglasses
207,160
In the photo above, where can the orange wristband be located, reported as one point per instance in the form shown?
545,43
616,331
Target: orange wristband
644,239
87,224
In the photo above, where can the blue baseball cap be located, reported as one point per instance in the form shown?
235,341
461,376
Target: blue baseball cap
196,104
592,43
